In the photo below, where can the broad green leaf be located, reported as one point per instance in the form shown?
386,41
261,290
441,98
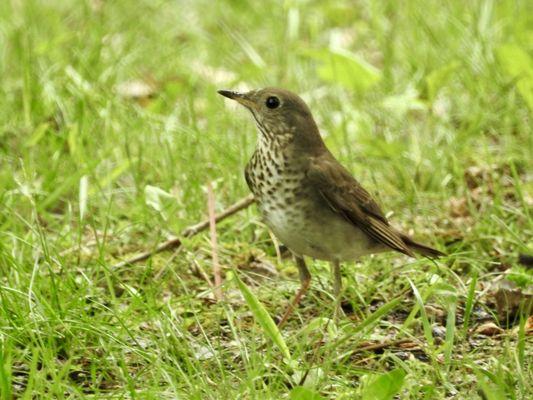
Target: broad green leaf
514,61
302,393
383,387
436,79
345,68
517,64
261,315
525,88
521,276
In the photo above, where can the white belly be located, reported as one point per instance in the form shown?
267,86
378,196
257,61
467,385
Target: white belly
325,236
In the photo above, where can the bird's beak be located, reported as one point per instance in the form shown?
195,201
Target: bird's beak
242,98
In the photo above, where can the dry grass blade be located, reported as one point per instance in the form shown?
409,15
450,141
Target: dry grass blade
382,345
192,230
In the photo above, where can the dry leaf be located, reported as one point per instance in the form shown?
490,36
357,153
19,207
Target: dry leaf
434,311
509,298
409,345
488,329
458,207
529,326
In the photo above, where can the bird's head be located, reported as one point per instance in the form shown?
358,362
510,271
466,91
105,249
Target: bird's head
281,116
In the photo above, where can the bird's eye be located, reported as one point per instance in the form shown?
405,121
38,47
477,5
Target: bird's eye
272,102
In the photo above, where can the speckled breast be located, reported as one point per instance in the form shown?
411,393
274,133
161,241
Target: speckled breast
278,191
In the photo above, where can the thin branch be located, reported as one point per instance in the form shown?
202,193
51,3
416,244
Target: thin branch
381,345
213,237
188,232
197,271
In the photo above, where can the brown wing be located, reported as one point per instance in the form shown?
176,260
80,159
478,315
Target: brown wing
347,197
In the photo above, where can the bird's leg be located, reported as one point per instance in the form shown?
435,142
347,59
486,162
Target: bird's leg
305,281
337,286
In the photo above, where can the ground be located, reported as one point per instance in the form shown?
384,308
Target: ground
111,129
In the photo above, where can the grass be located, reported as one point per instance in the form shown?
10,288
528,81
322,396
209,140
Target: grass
430,109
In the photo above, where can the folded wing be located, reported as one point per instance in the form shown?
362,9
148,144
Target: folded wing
348,198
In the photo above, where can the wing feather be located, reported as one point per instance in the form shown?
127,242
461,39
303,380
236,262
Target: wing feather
348,198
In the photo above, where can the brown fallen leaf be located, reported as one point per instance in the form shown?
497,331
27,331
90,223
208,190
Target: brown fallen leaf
485,175
410,345
488,329
436,312
476,175
509,299
529,326
458,207
378,346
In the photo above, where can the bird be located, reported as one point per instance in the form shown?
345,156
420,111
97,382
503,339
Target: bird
306,197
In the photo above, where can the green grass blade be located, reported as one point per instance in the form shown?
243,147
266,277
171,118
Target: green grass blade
486,383
376,315
371,319
5,369
261,315
423,314
469,305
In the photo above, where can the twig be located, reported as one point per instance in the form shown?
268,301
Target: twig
197,270
213,237
381,345
188,232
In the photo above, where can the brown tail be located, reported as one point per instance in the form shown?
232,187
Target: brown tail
421,248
